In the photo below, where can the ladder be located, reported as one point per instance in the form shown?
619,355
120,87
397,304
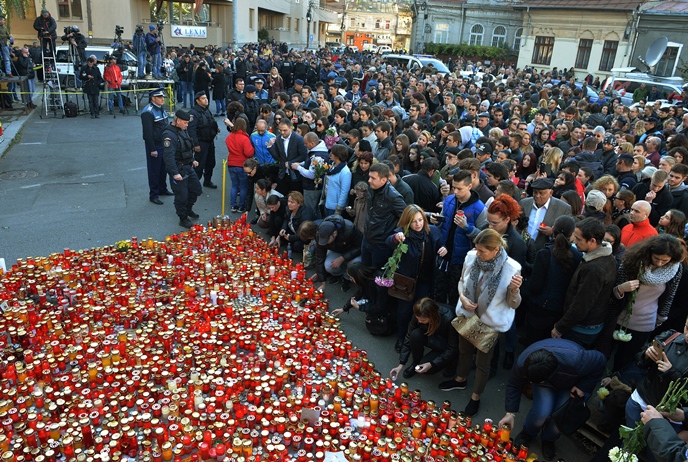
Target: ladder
52,92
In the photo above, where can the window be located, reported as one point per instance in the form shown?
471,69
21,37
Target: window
69,9
542,53
352,22
477,32
288,24
666,65
350,41
296,24
499,36
517,38
441,33
251,14
608,55
583,56
377,23
182,13
387,24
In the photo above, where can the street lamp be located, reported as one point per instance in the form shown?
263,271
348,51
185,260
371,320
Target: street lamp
309,18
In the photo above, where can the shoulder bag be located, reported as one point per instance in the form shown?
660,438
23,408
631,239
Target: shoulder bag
571,415
404,287
481,336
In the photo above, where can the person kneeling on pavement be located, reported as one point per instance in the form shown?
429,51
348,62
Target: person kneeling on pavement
370,298
430,327
338,244
178,155
558,369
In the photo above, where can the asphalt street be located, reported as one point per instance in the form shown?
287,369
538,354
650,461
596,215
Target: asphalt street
81,183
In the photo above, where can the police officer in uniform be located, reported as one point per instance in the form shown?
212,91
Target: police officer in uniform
180,163
203,129
154,121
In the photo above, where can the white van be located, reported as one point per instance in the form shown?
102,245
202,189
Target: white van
384,49
66,71
371,47
626,83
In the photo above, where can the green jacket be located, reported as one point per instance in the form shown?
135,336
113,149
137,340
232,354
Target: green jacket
4,35
640,93
663,441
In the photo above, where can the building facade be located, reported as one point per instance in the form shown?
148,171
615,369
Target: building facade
215,23
363,22
476,22
590,36
662,19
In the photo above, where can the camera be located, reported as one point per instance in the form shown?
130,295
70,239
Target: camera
161,25
68,30
139,29
119,30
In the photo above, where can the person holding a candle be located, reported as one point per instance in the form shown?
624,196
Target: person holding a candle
490,289
424,242
558,369
430,327
297,213
239,149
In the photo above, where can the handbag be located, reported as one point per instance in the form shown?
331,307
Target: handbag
378,325
571,415
481,336
404,287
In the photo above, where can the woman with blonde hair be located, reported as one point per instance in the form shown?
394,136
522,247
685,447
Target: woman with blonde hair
451,113
608,185
552,159
495,133
326,109
625,148
490,289
424,242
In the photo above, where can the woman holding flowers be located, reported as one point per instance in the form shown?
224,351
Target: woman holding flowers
423,242
645,287
337,181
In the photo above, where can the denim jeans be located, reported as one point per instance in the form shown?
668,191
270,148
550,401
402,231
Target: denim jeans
220,106
142,64
6,67
187,89
156,62
32,87
239,180
545,401
115,93
374,255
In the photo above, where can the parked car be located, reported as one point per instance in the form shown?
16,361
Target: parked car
592,94
384,49
412,62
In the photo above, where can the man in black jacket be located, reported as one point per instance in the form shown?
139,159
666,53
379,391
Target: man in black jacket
338,243
46,26
203,129
425,193
655,191
251,106
607,155
385,206
185,73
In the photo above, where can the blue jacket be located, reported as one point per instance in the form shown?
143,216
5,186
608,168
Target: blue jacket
338,187
577,367
261,151
472,209
152,45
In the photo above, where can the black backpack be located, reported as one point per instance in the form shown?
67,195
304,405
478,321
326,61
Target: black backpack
71,109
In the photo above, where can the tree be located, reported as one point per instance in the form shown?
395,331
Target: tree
15,8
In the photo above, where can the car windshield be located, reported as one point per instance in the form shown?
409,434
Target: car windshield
436,63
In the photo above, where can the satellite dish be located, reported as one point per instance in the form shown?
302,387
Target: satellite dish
655,52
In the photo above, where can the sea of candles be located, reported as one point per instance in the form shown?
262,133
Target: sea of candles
208,346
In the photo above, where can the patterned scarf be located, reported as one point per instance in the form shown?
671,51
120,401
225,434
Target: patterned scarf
493,274
659,275
617,213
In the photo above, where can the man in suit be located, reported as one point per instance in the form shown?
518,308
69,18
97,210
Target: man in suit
287,149
542,210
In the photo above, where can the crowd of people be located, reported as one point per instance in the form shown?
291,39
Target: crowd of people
527,213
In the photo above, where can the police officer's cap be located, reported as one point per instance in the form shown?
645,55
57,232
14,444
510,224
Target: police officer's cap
156,92
182,114
199,94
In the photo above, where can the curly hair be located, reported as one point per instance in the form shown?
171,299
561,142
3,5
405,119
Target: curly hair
505,206
642,252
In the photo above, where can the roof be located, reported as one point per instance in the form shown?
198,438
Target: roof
617,5
666,7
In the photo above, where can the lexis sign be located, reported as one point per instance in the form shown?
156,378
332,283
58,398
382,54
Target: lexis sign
189,31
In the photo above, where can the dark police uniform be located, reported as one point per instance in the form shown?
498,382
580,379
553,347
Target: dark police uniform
203,129
179,157
154,120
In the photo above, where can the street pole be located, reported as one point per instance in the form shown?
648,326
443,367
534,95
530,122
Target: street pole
309,18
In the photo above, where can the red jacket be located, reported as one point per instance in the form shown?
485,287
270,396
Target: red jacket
239,147
113,76
636,232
